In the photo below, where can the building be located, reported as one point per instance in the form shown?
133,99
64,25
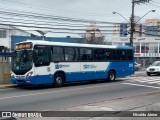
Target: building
116,29
152,27
123,30
6,31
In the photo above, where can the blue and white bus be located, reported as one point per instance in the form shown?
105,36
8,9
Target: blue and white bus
43,62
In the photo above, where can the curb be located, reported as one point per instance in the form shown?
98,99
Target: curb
6,86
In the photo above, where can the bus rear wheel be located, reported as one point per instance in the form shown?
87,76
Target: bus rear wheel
58,80
111,75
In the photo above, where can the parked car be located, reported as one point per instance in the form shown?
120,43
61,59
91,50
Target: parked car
137,66
154,68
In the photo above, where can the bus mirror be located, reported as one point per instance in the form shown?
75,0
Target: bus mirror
14,53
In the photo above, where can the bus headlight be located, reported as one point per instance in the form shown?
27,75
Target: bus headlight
12,75
29,74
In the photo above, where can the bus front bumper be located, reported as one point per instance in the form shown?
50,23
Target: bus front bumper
25,81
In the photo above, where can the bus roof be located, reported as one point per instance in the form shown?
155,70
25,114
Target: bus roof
40,42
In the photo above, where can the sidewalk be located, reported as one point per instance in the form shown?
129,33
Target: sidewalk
2,86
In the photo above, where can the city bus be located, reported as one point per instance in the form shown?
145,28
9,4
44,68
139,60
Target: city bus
36,62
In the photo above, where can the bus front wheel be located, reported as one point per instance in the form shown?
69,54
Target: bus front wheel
58,80
111,75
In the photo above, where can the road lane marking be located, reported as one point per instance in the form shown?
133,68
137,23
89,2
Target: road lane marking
97,86
142,85
153,80
143,80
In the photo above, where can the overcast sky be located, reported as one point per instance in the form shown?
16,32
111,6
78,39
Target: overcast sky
89,9
84,9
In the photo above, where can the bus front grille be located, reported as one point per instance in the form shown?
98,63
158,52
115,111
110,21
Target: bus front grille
20,80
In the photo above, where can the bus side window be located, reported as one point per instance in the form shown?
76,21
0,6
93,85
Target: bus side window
57,54
106,55
86,54
121,54
111,54
129,55
41,57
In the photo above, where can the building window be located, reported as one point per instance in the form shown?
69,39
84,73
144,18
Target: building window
3,33
136,47
144,47
153,48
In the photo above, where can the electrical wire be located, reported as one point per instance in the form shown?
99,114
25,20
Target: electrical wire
49,17
49,9
36,22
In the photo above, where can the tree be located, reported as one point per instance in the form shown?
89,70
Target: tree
93,35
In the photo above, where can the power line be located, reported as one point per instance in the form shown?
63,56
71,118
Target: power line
58,31
49,17
154,5
49,9
53,28
20,24
36,22
148,34
155,2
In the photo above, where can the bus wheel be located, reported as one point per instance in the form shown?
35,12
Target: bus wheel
111,75
149,74
58,80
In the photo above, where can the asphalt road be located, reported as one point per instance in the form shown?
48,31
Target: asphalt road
49,98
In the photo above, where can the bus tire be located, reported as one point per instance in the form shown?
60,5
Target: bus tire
149,74
111,75
58,80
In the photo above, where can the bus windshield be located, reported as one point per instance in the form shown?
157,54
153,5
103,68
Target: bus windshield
22,60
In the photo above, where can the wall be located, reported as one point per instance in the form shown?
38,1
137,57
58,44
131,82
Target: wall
5,69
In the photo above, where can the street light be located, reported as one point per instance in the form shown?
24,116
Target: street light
145,15
42,33
132,23
120,15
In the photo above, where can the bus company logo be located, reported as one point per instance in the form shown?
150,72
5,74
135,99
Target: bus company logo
89,66
131,65
61,66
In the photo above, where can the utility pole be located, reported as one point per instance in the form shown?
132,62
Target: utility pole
132,24
132,18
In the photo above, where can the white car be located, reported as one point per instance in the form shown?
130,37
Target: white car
154,68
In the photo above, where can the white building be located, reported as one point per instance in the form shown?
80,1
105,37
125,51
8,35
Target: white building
6,31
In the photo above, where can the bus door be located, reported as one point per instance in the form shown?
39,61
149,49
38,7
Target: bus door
42,65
